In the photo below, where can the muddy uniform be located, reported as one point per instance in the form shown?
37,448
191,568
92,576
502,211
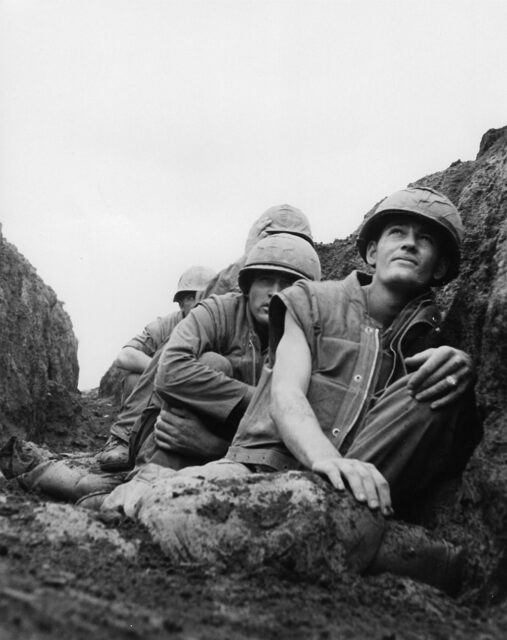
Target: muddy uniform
137,394
149,341
136,402
137,388
358,390
222,325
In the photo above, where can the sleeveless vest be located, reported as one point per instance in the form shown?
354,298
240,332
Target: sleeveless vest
345,346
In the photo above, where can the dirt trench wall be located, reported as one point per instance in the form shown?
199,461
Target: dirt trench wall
38,349
477,318
110,385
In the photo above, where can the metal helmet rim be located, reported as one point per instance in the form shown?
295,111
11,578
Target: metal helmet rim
192,280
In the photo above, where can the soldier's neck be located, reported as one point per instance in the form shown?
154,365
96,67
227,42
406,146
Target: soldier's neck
384,304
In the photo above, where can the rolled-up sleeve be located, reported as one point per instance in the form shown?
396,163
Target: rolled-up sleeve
155,334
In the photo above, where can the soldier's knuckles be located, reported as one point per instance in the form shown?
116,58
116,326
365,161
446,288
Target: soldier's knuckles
362,474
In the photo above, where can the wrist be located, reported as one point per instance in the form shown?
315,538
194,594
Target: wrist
322,461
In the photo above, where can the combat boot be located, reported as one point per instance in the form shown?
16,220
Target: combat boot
54,478
411,551
93,501
115,455
19,456
57,480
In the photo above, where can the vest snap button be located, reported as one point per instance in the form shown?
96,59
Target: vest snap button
336,432
358,377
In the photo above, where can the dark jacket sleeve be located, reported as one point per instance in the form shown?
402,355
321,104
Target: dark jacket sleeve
182,380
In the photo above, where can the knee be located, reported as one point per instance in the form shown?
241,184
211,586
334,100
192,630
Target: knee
129,383
222,469
216,362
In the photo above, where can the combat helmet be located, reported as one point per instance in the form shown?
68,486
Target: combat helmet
192,280
425,203
288,219
283,252
283,218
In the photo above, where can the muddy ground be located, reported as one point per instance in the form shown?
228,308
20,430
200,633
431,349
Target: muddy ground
64,573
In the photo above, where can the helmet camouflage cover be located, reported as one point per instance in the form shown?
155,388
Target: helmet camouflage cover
282,252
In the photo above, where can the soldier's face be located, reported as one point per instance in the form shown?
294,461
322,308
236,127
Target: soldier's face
407,254
263,288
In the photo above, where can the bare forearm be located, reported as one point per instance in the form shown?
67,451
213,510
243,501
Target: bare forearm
299,428
132,359
303,436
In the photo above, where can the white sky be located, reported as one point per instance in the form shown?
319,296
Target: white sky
139,137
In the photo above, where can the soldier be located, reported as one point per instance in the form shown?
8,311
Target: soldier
279,218
208,370
360,393
136,356
210,366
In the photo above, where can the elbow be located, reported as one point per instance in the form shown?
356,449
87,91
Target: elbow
164,380
170,374
122,360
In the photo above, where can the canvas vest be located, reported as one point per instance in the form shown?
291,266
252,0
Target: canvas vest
346,349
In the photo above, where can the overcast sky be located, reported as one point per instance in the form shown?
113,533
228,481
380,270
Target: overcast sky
139,137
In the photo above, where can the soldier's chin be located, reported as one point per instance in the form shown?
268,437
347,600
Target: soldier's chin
406,282
262,318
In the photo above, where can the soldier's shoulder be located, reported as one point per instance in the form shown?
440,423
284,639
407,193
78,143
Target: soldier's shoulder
228,300
322,287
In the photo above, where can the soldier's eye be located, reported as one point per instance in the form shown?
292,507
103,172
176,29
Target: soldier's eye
427,239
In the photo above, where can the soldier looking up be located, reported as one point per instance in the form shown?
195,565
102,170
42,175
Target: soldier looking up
360,393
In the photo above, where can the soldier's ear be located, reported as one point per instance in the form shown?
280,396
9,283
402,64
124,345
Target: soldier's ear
371,253
441,268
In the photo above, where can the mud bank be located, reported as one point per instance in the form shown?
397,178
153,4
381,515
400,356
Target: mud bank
65,573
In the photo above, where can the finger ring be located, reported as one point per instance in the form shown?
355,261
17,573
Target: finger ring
452,381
